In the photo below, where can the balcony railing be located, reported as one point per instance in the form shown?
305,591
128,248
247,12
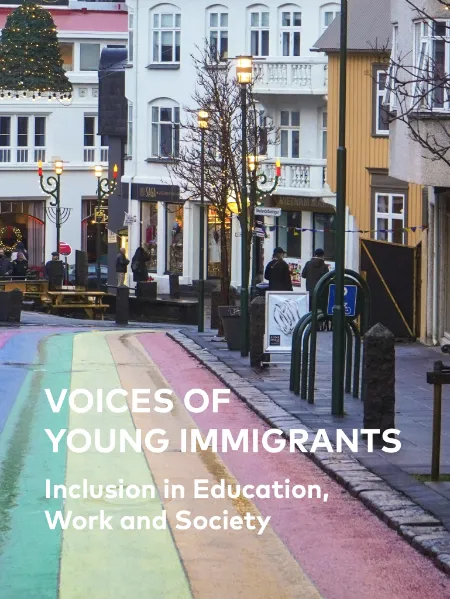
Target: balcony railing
93,154
289,75
298,174
22,155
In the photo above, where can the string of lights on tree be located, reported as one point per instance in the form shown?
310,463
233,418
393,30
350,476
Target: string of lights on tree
30,59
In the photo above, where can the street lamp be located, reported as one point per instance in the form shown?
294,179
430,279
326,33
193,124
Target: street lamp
338,362
244,74
257,191
53,188
105,187
203,122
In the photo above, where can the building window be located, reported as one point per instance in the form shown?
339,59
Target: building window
165,132
39,138
288,237
324,234
29,135
291,22
380,112
130,37
149,232
290,134
5,139
328,13
89,57
166,37
174,238
67,56
390,217
259,33
390,96
89,139
129,150
324,133
22,139
218,34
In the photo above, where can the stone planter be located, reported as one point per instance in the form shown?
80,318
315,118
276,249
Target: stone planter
146,289
231,320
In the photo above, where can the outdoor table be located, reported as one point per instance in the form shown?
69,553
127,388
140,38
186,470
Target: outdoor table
89,301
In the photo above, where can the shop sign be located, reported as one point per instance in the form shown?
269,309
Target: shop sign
112,237
283,311
299,204
155,193
262,211
129,219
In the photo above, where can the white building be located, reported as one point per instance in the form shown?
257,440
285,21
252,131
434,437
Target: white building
44,130
421,46
291,86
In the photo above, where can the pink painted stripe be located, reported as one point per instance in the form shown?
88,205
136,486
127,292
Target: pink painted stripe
82,20
5,337
345,549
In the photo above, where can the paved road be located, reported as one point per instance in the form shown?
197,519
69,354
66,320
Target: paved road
311,549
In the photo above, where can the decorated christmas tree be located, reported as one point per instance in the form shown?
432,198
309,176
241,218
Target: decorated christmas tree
30,58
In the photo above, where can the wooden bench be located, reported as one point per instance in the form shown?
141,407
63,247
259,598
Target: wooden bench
76,299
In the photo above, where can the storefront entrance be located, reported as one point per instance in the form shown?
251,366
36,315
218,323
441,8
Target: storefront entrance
24,221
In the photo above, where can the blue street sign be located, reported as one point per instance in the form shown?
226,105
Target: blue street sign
350,295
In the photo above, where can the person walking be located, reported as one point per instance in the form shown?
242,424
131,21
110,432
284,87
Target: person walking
122,263
313,271
5,265
20,266
277,272
139,265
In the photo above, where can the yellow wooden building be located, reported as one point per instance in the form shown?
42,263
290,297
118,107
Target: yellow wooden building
386,209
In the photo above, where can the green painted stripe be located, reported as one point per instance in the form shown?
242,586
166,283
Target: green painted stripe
119,564
29,551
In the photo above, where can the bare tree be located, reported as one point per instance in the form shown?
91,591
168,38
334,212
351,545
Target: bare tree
417,83
218,93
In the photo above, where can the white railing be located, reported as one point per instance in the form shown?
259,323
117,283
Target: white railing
104,154
92,153
285,75
298,174
22,155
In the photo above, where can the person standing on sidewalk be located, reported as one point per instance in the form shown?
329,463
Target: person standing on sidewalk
277,272
313,271
122,263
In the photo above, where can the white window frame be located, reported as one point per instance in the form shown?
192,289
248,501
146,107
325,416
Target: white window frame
288,131
333,9
156,129
97,152
390,216
390,95
129,145
158,29
24,154
220,30
89,43
290,31
259,29
380,94
323,133
130,46
424,41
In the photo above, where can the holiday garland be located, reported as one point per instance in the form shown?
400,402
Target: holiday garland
7,231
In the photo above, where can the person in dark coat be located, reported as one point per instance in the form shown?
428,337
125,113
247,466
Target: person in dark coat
5,265
20,266
313,271
122,263
277,272
139,265
20,247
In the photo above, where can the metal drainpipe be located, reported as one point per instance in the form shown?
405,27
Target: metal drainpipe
430,274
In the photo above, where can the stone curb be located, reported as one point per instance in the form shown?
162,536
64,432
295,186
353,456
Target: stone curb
420,529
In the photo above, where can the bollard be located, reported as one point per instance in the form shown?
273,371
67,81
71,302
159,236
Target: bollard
379,379
257,330
122,305
216,301
174,286
438,377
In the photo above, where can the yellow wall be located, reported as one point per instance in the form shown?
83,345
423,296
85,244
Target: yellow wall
363,150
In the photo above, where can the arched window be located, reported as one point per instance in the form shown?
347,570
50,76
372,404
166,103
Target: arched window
290,19
166,34
165,128
328,12
217,30
259,22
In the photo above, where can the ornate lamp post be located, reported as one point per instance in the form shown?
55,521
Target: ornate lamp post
203,122
257,191
105,187
53,188
244,73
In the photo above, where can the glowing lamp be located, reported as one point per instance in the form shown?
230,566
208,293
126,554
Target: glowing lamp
203,119
244,69
98,171
278,168
115,171
40,168
58,167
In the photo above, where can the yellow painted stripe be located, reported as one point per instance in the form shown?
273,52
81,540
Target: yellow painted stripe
102,564
219,564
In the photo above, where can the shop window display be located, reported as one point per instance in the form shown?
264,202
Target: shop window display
174,238
214,243
149,232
